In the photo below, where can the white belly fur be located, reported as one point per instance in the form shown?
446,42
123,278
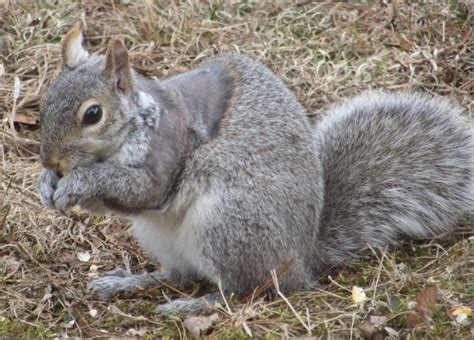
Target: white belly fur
174,235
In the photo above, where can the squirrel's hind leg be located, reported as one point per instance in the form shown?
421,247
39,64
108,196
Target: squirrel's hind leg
120,283
189,305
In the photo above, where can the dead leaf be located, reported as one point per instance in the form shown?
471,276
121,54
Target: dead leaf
378,320
366,330
198,325
378,336
20,118
372,329
425,307
392,332
426,303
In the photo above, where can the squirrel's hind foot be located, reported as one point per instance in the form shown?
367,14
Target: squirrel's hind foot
189,305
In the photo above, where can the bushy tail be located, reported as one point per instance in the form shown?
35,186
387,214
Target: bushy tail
396,165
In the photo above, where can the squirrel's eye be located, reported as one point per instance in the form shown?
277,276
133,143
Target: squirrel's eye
92,115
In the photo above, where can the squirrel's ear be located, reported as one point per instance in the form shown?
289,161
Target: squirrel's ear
73,53
116,64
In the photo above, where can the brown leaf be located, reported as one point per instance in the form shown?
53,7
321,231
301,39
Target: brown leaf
366,330
20,118
378,336
425,307
426,303
414,319
198,325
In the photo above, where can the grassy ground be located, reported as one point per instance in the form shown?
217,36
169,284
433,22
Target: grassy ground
325,52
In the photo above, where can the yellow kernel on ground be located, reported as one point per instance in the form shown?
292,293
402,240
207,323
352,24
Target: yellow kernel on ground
358,294
462,310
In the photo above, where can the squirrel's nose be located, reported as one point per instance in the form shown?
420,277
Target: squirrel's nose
50,163
53,165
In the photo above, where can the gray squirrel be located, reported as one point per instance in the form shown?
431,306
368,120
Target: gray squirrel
224,177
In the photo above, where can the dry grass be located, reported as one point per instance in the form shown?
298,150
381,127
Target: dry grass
325,52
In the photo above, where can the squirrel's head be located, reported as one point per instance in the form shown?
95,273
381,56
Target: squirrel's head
86,113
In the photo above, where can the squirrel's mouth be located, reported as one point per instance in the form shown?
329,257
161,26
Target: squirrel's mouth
61,167
59,173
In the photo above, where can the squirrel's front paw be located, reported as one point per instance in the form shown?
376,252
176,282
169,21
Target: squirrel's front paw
71,190
47,183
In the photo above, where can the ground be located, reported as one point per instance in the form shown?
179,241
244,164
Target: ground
324,52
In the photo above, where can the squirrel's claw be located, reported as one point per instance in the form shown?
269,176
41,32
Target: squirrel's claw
63,200
70,192
47,183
